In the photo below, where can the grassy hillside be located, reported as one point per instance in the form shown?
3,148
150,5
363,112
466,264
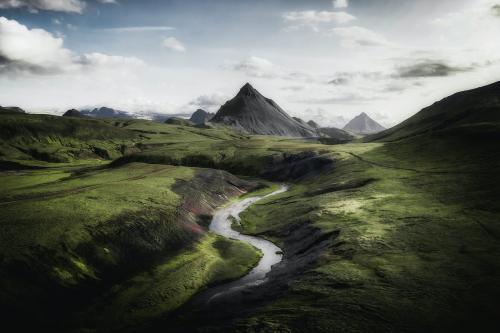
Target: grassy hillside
475,112
405,249
131,236
379,236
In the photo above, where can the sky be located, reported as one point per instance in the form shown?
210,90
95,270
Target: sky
320,60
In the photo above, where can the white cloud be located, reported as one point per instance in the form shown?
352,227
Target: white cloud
139,29
257,67
174,44
36,51
112,2
210,102
340,3
314,20
94,60
357,36
313,17
69,6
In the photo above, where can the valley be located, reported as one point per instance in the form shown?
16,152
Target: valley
106,225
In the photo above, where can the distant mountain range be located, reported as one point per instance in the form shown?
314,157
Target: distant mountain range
363,125
106,112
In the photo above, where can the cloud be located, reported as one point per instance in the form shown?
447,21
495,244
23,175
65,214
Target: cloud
293,88
36,51
69,6
94,60
312,19
110,2
210,102
340,3
257,67
340,81
325,118
359,37
174,44
312,16
351,98
139,29
429,68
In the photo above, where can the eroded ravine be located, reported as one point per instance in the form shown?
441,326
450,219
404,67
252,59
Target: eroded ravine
222,225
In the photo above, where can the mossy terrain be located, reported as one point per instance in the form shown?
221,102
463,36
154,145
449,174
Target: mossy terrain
79,236
379,236
414,241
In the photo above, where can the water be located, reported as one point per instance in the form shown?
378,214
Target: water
221,225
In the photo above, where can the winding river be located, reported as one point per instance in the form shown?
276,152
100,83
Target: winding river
221,225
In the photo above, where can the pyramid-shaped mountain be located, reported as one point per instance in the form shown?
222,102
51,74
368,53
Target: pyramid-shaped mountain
363,125
256,114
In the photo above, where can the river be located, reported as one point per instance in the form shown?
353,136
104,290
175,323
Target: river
221,225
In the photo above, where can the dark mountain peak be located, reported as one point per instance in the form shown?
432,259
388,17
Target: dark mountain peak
73,113
248,90
200,117
251,112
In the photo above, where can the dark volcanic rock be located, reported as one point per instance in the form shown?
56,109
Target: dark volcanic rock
73,113
363,125
200,117
11,109
251,112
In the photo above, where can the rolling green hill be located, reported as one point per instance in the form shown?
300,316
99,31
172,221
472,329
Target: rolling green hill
472,113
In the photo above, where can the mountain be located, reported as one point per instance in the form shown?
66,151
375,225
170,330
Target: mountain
105,112
11,109
74,113
363,125
256,114
313,124
473,111
300,121
200,117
